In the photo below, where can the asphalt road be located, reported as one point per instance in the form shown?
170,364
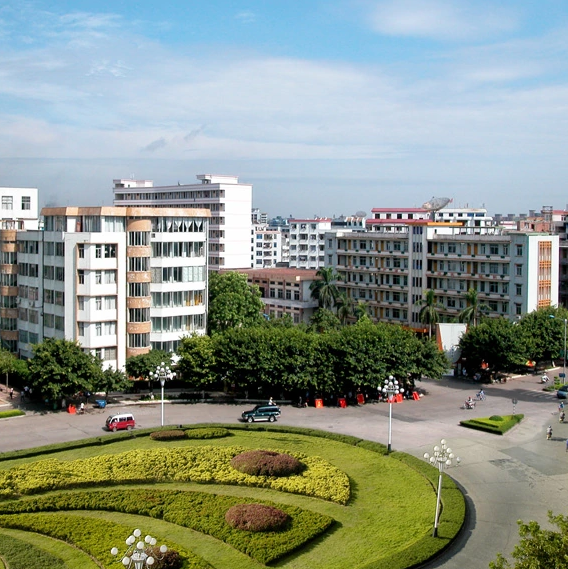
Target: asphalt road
517,476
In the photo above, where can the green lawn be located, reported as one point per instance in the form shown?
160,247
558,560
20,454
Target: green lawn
386,524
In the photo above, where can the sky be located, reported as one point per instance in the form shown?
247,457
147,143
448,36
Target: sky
327,107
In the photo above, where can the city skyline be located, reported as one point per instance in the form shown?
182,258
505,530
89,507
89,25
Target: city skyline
327,108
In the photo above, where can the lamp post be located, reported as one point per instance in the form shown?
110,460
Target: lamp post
391,388
442,458
162,373
139,554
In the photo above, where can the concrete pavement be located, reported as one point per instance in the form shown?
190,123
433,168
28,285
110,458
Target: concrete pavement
517,476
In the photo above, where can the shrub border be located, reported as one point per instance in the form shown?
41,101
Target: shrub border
11,413
481,424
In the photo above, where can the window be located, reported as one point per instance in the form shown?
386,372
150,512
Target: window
110,251
98,251
519,250
81,328
26,202
98,329
138,315
80,303
99,303
138,289
138,238
7,202
519,270
110,302
110,328
138,340
494,249
81,276
98,277
518,309
81,251
110,354
110,277
519,290
136,264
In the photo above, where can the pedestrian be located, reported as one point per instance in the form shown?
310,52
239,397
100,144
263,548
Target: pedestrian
271,401
566,445
11,392
561,406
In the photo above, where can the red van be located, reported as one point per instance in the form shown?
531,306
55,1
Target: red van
123,421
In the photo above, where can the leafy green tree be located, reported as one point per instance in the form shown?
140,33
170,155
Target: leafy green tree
8,364
472,312
197,363
60,368
361,310
232,302
323,320
324,288
111,380
544,331
284,321
139,367
429,312
539,548
496,342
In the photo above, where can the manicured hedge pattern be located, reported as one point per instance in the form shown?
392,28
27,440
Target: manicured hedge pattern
213,433
496,424
91,535
173,435
205,464
199,511
23,555
266,463
256,517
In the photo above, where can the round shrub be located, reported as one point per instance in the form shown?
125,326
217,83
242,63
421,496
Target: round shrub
256,517
266,463
171,559
212,433
495,418
173,435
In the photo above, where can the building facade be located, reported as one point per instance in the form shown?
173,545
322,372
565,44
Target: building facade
266,246
307,245
119,280
391,265
229,202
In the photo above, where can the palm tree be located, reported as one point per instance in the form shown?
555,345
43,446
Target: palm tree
470,314
429,311
343,306
324,289
360,310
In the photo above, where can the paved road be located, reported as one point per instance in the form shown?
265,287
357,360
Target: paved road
518,476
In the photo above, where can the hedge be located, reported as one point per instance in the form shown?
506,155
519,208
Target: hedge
205,464
23,555
92,535
11,413
199,511
496,424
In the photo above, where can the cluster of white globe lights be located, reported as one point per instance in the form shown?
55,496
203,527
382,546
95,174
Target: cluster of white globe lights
136,556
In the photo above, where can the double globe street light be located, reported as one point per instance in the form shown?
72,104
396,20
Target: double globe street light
390,389
140,554
162,373
442,458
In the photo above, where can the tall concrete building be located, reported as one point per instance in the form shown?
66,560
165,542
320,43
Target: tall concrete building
229,202
307,249
19,211
119,280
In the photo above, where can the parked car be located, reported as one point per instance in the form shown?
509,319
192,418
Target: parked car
118,422
261,413
562,392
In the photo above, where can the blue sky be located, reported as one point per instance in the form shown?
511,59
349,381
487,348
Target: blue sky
327,107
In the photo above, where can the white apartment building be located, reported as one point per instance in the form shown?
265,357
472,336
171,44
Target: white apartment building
119,280
229,202
391,265
307,245
19,210
266,246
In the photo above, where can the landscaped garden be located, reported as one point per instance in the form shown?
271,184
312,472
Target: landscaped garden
226,497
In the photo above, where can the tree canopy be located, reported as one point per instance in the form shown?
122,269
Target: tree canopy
324,288
429,312
232,302
139,367
539,548
472,312
60,368
544,333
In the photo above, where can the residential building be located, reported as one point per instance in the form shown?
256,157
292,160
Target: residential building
307,249
285,291
19,211
391,265
266,246
119,280
229,202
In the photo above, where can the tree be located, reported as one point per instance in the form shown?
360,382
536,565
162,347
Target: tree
324,320
8,364
497,343
539,548
429,311
361,310
232,302
197,360
344,307
60,368
544,330
471,313
324,289
111,380
139,367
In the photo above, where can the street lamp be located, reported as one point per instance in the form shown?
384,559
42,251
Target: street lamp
139,554
163,372
442,458
391,388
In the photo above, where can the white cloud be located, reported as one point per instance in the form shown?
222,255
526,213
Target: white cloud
440,19
246,17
